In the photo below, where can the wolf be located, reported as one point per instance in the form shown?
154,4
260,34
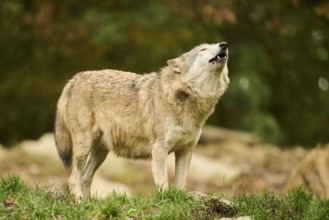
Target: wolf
139,116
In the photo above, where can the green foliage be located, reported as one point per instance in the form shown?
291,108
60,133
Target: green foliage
22,202
11,185
296,204
278,61
19,201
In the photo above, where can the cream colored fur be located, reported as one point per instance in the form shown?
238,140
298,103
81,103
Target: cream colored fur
138,116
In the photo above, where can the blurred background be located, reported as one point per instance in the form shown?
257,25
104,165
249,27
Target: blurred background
278,61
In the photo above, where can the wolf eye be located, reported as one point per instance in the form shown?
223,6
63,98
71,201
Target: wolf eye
203,49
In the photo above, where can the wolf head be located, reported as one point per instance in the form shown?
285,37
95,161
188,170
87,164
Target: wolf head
207,56
203,66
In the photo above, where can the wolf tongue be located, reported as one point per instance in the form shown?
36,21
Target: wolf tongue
213,59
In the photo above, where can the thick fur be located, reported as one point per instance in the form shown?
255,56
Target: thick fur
138,116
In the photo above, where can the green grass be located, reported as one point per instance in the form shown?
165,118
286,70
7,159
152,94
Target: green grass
19,201
296,204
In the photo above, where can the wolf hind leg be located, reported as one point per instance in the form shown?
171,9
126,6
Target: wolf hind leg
82,143
96,157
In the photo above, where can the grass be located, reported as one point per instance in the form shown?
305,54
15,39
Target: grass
296,204
19,201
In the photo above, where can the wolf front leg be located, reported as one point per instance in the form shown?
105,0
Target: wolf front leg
182,163
159,165
183,160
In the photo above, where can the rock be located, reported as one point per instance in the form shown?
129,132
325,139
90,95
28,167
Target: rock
101,187
212,134
3,152
115,166
197,195
313,172
203,170
225,161
207,170
43,147
215,204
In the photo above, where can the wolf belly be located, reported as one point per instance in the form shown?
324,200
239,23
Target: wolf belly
132,148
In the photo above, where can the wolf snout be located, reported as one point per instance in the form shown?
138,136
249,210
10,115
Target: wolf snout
223,45
221,56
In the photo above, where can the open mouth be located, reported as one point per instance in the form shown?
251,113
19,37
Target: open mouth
219,58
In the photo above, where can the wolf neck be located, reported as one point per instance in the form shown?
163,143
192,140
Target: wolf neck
195,98
211,83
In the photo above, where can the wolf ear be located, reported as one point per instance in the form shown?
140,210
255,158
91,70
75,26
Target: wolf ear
174,64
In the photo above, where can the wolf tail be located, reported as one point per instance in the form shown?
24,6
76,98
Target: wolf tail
63,138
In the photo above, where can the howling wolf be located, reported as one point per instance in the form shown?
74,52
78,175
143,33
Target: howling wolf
139,116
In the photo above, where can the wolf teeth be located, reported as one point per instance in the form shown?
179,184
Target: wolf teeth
218,58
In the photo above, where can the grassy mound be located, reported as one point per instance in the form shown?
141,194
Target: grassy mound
20,201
